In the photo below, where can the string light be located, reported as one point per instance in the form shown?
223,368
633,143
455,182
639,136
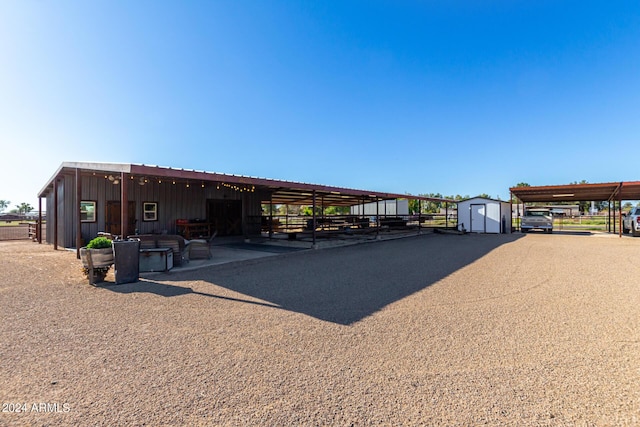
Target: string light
142,180
248,189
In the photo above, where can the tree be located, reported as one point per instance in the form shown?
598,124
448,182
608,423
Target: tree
514,199
4,204
340,210
414,206
426,206
457,198
308,210
24,208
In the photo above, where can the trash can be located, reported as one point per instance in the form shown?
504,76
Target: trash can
126,260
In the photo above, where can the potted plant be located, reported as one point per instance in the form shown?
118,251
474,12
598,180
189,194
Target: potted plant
97,258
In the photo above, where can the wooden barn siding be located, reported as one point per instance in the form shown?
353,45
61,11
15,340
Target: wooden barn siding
175,201
50,224
64,208
68,199
91,190
252,211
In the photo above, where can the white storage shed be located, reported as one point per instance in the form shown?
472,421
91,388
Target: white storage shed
481,215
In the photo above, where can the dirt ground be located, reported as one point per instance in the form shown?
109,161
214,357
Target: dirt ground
528,330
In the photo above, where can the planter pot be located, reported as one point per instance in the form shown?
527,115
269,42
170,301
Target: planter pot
99,257
98,276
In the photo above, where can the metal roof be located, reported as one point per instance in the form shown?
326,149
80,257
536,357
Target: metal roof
482,198
579,192
283,192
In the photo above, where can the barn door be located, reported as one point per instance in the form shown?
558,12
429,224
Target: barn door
226,216
478,218
113,215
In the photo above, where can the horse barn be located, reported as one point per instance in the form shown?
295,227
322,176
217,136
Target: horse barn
85,198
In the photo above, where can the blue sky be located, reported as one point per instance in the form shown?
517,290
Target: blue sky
456,97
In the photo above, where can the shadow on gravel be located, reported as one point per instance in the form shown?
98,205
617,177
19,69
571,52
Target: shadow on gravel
572,233
164,290
344,285
261,248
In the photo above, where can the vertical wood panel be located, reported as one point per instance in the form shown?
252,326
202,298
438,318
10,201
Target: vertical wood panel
68,202
175,201
76,213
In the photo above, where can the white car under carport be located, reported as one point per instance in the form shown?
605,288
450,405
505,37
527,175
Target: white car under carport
536,219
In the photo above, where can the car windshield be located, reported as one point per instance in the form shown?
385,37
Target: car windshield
537,213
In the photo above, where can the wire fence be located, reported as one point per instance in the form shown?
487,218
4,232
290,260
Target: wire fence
296,223
581,222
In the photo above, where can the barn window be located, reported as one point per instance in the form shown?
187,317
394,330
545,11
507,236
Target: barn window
150,211
87,211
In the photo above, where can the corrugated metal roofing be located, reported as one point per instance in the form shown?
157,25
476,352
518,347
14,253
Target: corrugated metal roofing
283,191
629,190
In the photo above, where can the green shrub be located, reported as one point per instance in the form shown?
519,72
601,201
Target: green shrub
99,243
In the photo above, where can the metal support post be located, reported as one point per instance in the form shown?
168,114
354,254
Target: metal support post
313,221
271,216
124,205
40,220
620,210
446,215
55,214
377,218
78,213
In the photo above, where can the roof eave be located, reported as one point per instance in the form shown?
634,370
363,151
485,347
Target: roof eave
94,166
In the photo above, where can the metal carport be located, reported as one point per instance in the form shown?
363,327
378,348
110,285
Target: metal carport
601,192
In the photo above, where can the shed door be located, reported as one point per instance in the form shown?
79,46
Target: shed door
478,218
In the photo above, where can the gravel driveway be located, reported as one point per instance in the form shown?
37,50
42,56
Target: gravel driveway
430,330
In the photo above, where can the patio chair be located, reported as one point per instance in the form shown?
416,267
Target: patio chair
201,248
